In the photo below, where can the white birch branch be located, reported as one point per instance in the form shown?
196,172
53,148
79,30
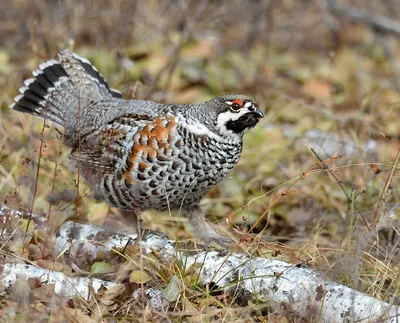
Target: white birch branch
69,287
7,215
63,285
288,288
299,290
79,239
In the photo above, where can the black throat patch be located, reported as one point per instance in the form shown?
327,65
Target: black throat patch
246,121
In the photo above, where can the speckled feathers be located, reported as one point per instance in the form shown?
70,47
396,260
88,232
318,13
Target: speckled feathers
137,154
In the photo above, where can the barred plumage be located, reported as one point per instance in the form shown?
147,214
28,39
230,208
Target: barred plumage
138,154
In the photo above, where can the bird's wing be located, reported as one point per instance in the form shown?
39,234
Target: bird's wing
124,143
103,150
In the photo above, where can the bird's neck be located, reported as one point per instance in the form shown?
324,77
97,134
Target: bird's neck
198,127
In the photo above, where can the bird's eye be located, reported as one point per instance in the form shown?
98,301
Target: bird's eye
235,106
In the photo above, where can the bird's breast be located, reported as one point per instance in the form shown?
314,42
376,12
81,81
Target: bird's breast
168,166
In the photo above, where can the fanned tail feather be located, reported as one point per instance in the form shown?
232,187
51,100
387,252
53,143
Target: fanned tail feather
59,88
46,93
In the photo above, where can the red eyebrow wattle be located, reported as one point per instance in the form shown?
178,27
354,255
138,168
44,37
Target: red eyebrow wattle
238,102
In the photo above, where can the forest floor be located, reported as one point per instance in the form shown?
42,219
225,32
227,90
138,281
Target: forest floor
316,175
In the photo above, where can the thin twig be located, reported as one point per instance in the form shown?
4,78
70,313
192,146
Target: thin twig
79,157
287,191
37,177
58,154
334,175
340,183
381,201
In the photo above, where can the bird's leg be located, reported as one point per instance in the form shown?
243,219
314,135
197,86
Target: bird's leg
202,229
130,218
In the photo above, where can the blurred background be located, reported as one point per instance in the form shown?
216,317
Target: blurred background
326,73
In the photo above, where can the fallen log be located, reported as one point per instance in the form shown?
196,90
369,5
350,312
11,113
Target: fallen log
285,287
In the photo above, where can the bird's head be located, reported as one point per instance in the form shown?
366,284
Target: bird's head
235,113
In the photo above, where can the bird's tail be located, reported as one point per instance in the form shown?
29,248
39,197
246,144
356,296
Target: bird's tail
59,90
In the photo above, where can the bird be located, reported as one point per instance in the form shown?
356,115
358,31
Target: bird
140,155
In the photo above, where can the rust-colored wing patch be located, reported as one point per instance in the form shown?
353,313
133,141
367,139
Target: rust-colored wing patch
151,143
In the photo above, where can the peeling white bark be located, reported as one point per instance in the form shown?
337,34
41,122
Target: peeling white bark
69,287
63,285
154,296
78,238
299,290
7,214
285,287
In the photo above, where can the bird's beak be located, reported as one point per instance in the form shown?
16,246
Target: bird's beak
256,110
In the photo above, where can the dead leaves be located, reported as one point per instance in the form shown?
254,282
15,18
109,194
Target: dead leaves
112,297
139,277
101,268
173,290
318,90
55,266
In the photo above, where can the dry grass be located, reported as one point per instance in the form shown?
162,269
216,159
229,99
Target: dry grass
337,97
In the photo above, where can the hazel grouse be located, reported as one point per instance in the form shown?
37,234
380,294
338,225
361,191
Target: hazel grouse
137,154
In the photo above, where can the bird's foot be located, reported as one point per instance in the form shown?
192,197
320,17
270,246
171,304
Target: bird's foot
210,236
